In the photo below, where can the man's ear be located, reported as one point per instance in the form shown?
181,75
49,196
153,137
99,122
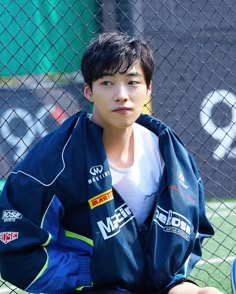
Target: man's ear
88,92
149,90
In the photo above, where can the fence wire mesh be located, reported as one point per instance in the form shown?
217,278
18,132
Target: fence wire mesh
194,92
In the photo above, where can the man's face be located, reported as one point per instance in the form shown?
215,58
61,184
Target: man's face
118,99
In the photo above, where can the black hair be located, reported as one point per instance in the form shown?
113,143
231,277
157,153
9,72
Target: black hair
113,52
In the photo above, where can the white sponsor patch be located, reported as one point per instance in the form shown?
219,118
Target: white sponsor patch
173,222
112,225
97,173
11,215
6,237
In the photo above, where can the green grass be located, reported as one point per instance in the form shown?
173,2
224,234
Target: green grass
219,251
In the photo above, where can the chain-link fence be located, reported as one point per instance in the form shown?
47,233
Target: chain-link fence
194,89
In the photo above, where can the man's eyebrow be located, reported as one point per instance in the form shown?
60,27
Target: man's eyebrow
133,74
107,74
128,74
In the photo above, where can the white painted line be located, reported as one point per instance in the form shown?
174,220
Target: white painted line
6,290
222,214
216,260
221,204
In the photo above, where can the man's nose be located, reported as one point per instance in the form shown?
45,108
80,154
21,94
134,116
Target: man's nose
121,93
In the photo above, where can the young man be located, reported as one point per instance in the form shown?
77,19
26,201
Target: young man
109,202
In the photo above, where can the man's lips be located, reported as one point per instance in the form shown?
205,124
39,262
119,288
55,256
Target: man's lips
121,109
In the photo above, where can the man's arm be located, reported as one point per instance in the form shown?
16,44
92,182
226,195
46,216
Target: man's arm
35,254
187,287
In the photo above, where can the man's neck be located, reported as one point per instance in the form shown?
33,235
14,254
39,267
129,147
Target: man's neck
119,146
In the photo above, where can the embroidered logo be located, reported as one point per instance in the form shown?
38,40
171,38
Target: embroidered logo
112,225
97,173
101,199
6,237
173,222
182,180
175,188
10,215
96,170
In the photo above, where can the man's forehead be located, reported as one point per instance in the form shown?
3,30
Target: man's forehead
134,69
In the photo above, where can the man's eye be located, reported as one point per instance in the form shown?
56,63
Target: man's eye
106,83
133,82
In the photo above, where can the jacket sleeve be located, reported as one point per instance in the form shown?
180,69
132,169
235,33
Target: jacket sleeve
36,254
180,221
205,230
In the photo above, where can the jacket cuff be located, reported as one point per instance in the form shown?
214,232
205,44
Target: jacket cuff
84,271
177,282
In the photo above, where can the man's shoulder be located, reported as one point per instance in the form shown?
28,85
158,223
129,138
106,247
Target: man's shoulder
49,152
153,124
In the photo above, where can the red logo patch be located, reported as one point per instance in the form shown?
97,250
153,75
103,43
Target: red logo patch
7,237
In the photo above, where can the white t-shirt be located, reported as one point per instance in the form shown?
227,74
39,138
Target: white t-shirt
138,183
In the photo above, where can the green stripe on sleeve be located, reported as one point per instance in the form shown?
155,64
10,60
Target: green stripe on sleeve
80,237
